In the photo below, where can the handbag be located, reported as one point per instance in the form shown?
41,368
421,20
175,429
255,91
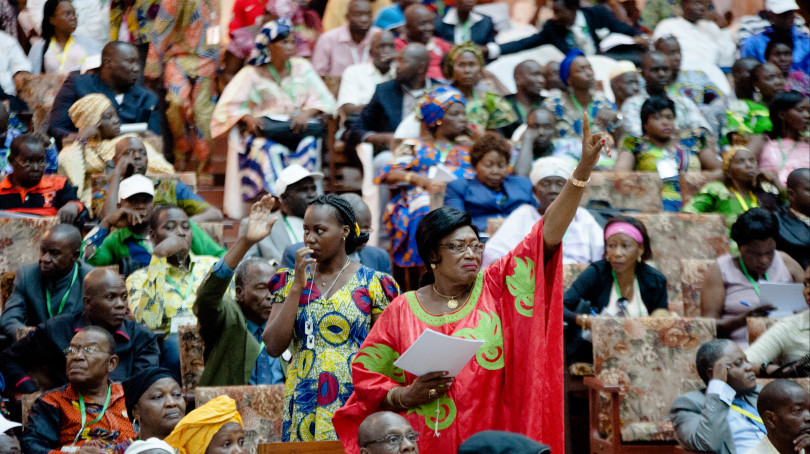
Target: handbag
280,131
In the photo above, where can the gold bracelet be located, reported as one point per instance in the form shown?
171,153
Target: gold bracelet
409,177
578,183
399,397
389,397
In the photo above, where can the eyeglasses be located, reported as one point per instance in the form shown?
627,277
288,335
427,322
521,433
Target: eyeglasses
460,247
31,164
395,440
88,350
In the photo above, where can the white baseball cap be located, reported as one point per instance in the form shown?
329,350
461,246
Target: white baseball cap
781,6
293,174
136,184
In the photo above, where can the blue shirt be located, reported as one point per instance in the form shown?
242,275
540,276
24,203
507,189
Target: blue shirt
745,432
755,45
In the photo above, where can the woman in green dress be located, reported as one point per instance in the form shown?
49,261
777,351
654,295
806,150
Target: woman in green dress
746,117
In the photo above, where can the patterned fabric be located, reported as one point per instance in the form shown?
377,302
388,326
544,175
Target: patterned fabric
15,129
181,48
319,380
782,156
489,110
696,86
192,357
306,21
676,236
161,291
436,103
693,274
39,91
799,81
140,16
261,408
569,118
715,197
271,32
746,117
8,18
409,205
88,110
632,190
19,241
692,182
515,381
653,360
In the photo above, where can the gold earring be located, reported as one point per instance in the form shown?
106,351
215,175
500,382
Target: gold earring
344,238
433,266
438,122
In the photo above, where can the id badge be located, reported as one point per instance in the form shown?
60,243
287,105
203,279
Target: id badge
212,35
69,449
179,320
667,168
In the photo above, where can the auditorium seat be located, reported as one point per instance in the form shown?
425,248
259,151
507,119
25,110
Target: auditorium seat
693,274
192,362
639,191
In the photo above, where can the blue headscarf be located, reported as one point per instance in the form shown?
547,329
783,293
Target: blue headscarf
436,103
272,32
565,66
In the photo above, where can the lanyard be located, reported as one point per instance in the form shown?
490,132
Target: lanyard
465,32
619,290
742,201
289,227
578,106
753,282
290,92
64,298
64,51
357,59
785,157
177,288
746,413
84,414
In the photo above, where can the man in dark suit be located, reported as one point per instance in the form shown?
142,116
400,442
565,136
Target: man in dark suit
568,31
722,417
51,287
394,99
105,306
462,24
117,80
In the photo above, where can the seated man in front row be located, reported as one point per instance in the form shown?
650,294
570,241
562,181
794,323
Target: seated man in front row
29,192
785,409
50,287
105,306
88,415
722,417
385,432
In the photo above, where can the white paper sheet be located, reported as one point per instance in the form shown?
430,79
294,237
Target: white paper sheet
787,298
434,352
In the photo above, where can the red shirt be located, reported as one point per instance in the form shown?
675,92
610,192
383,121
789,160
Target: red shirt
437,48
45,199
245,13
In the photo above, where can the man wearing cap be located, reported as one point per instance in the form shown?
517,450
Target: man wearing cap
582,243
780,14
623,81
122,237
296,188
51,287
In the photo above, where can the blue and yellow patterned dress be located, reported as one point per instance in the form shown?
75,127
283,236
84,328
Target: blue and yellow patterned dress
319,380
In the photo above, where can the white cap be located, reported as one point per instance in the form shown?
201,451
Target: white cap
781,6
91,62
140,446
550,166
293,174
6,425
621,67
136,184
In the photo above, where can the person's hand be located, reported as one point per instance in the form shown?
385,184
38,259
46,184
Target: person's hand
802,442
171,245
90,449
123,217
299,122
592,145
125,167
259,222
68,213
760,311
584,321
426,388
87,132
251,124
436,187
301,264
642,41
720,369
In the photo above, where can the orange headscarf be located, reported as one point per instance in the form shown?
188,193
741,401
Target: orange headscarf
194,432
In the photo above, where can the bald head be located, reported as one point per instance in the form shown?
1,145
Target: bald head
59,250
529,77
412,63
120,66
798,190
419,24
67,233
98,280
134,149
784,407
105,298
361,212
378,426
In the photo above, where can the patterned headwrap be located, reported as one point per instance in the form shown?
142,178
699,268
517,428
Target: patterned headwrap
194,432
271,32
729,155
287,9
456,52
87,111
436,103
565,66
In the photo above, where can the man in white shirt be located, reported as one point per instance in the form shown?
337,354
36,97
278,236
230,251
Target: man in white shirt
347,45
583,241
359,81
722,417
703,44
785,409
13,61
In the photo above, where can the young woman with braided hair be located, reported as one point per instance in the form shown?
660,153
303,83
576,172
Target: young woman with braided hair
323,310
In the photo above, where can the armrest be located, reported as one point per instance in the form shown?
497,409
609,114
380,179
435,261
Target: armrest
596,384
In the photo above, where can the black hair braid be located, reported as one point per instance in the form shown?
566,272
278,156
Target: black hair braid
346,216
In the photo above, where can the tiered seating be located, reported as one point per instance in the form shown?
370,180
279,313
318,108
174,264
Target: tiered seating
39,92
693,274
627,190
641,365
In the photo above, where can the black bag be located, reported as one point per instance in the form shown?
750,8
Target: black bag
280,132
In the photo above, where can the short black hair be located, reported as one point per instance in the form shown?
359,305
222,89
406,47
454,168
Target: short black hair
490,141
569,4
641,228
755,224
26,139
775,395
708,354
109,337
155,218
244,266
795,177
782,102
654,105
345,216
435,226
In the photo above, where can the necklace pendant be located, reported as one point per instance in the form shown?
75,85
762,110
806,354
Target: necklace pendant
452,303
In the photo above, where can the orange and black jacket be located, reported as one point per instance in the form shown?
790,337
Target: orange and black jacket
45,199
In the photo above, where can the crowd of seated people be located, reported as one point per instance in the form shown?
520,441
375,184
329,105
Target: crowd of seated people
483,148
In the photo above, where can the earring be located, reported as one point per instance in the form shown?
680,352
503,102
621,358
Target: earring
638,259
136,425
433,266
344,238
438,122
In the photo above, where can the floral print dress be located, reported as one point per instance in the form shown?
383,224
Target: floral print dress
319,378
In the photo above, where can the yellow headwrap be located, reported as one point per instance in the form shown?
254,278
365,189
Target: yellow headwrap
729,155
87,111
194,432
456,52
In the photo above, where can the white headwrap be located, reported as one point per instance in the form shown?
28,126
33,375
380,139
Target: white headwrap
145,445
550,166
